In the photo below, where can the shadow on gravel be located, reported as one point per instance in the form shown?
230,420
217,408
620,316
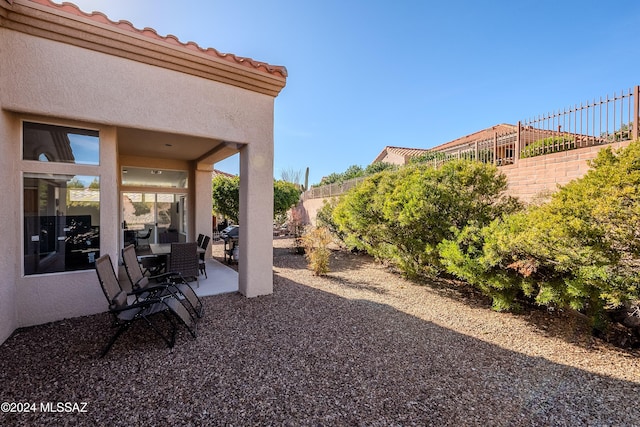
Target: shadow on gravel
300,356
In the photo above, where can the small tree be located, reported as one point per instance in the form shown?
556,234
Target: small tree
285,196
226,196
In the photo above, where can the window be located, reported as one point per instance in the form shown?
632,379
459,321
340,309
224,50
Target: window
50,143
61,222
161,178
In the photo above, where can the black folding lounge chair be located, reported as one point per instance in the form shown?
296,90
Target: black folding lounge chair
125,313
166,285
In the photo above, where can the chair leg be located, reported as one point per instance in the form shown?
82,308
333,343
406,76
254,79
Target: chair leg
112,341
203,270
169,341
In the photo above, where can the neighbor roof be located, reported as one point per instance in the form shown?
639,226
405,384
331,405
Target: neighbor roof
479,135
400,151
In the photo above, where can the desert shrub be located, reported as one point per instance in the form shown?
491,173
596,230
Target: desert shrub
316,245
402,216
324,218
466,256
360,223
552,144
579,250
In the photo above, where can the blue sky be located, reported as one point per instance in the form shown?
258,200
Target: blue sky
364,74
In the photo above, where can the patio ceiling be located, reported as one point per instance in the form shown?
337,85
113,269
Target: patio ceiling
162,145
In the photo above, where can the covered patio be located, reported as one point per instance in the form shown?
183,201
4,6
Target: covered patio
85,104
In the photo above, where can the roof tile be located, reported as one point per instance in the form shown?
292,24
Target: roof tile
169,39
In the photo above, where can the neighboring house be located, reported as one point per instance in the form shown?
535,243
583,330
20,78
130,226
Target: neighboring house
499,139
398,155
96,119
402,156
216,172
484,134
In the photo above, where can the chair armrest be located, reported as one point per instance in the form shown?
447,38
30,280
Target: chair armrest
140,304
169,275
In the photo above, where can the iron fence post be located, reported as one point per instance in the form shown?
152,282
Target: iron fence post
636,112
516,154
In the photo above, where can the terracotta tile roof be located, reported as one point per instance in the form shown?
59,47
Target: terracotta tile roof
480,135
217,172
169,39
400,151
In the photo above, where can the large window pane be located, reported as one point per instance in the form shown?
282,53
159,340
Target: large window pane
49,143
61,223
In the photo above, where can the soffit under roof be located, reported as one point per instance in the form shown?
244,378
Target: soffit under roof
162,145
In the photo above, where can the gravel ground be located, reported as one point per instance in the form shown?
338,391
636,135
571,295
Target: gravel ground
360,346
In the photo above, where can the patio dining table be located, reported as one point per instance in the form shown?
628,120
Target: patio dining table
165,249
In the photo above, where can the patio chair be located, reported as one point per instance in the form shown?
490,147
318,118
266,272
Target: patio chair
125,313
140,282
202,265
169,236
200,238
145,236
183,262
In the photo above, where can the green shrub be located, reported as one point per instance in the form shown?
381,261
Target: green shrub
579,250
552,144
402,216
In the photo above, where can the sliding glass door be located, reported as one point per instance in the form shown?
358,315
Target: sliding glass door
153,218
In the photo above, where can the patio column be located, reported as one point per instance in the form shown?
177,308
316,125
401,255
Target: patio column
256,219
203,203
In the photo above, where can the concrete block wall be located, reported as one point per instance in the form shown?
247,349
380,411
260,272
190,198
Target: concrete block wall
533,176
527,178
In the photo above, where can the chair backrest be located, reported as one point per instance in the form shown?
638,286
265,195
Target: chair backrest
200,238
168,237
109,283
146,236
184,259
205,242
132,267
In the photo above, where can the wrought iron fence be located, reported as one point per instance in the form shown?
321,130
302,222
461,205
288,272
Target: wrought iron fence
612,119
331,190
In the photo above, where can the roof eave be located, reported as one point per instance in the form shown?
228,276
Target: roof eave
46,22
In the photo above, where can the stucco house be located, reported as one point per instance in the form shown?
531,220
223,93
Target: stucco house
97,116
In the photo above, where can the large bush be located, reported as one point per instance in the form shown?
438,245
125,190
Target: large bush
403,215
580,250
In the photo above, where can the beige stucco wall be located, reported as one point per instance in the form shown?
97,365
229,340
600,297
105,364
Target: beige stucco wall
68,85
256,198
46,77
9,217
